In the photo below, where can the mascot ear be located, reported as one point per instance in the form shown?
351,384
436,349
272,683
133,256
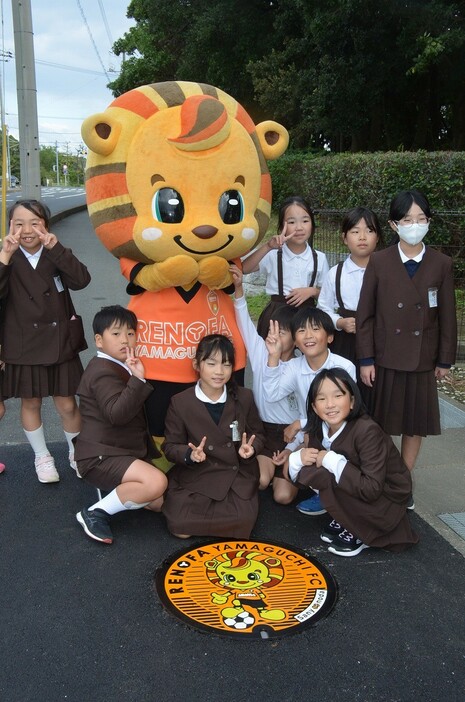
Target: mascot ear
100,133
274,139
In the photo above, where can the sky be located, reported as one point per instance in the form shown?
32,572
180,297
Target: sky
74,87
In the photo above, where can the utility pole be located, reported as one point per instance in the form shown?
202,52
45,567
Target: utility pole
29,149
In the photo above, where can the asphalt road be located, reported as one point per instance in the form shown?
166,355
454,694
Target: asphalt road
81,621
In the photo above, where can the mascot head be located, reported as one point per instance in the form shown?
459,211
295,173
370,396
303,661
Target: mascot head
179,168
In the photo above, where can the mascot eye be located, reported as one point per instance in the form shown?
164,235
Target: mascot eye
167,206
229,578
252,576
231,207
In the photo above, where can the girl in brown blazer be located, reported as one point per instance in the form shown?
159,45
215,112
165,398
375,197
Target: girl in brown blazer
362,480
406,327
213,433
41,335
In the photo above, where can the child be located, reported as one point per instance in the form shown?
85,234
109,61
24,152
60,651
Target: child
340,292
112,448
294,269
312,331
361,477
213,433
276,416
406,327
42,336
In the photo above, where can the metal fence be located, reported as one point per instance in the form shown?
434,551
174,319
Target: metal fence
449,228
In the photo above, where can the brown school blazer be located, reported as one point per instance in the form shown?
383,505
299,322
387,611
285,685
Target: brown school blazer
395,323
371,497
35,329
111,403
188,420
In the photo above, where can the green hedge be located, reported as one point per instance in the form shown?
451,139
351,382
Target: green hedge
341,181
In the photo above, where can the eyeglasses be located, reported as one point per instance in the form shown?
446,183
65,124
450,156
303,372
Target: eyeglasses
409,221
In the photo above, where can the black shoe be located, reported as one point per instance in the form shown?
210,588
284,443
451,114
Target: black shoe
346,544
330,531
411,503
95,524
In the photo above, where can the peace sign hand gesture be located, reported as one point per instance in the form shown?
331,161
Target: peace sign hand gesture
246,450
198,455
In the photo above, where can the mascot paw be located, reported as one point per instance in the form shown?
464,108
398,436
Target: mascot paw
214,272
176,270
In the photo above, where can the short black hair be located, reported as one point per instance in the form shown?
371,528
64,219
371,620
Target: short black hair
111,315
301,202
403,201
38,208
284,314
345,383
211,343
353,217
313,316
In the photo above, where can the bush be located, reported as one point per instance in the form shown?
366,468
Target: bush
342,181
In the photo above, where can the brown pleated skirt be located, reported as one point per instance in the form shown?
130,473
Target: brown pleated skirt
60,380
197,515
406,402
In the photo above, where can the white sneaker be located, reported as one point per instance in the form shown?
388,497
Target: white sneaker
45,469
73,463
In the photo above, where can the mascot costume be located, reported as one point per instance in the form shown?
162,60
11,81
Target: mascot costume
178,188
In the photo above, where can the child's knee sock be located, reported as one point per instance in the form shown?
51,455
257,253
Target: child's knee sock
111,504
69,438
37,440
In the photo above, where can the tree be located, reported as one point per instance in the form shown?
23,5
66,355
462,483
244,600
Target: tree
340,74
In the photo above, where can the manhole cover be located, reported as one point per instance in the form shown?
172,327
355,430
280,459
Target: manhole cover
246,588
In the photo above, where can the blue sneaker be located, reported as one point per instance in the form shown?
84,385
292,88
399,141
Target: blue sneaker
312,506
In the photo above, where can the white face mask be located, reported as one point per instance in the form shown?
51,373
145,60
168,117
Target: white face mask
413,234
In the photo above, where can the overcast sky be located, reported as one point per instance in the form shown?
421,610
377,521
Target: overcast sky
65,36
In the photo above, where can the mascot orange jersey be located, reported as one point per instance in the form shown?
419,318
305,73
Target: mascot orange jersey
177,188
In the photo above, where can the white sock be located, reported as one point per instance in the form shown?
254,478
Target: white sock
69,438
111,504
37,440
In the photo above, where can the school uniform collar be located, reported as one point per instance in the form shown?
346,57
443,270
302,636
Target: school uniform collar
288,255
200,395
418,258
100,354
328,440
351,266
33,259
307,370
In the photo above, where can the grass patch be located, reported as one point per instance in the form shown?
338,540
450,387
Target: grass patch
256,303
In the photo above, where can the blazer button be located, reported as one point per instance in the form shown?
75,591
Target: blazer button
54,324
35,325
229,444
417,333
400,305
418,306
234,467
397,331
47,294
210,448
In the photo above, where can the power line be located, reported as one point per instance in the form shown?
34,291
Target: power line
105,22
92,40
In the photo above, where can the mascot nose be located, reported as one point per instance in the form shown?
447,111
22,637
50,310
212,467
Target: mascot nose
205,231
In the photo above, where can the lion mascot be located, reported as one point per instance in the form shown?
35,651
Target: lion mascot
178,188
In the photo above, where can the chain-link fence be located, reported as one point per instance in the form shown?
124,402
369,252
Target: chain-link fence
449,228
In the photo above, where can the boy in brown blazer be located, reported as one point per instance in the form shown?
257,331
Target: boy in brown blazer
112,448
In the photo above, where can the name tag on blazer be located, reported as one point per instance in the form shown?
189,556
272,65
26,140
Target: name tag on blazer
433,297
59,285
